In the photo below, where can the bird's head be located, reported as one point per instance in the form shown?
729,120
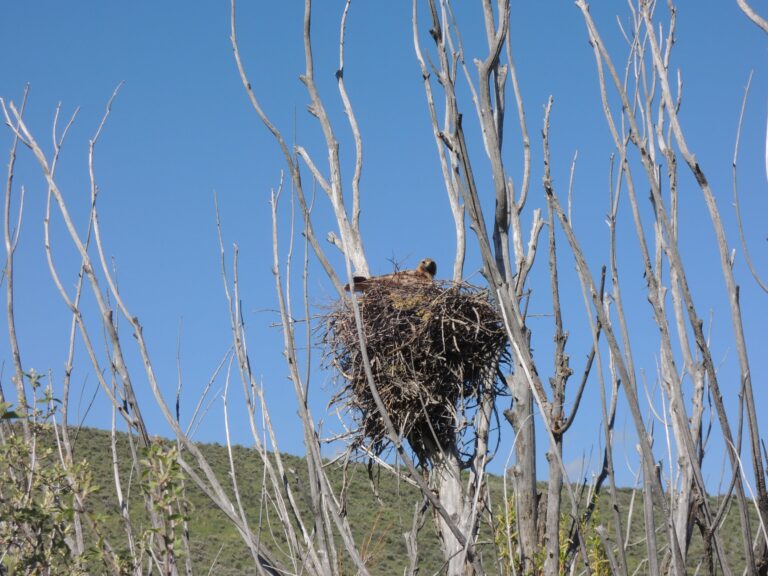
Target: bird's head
428,265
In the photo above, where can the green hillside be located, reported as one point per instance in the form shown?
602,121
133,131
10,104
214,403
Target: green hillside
379,519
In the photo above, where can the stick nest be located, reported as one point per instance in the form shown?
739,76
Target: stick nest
433,349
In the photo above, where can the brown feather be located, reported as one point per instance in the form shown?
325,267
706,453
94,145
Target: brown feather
424,272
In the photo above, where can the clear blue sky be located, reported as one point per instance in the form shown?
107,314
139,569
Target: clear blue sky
182,129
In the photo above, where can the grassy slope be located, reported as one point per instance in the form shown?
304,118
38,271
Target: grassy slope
378,525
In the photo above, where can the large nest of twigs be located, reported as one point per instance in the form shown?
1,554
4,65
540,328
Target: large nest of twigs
433,350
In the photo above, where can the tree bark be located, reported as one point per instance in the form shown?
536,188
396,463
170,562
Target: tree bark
520,416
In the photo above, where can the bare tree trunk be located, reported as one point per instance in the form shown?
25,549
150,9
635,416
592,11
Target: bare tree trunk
553,520
520,416
446,477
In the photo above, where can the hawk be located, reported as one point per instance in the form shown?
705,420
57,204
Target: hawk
424,273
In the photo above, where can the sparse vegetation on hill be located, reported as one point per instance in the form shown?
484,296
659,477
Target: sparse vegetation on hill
380,513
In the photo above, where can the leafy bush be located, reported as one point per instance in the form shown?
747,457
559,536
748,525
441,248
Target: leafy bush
38,495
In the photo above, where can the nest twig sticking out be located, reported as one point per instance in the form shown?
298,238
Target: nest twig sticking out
432,347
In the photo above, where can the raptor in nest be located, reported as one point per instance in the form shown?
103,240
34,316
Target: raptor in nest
423,274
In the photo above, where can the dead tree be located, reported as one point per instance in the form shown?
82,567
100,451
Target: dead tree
553,526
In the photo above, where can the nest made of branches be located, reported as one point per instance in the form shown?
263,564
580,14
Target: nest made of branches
432,348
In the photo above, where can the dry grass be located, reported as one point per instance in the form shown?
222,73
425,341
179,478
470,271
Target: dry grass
432,347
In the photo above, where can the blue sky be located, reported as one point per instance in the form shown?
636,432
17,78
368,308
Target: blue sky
182,129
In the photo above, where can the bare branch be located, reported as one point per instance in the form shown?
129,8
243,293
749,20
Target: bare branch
292,165
446,154
733,299
752,15
736,208
352,123
10,248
